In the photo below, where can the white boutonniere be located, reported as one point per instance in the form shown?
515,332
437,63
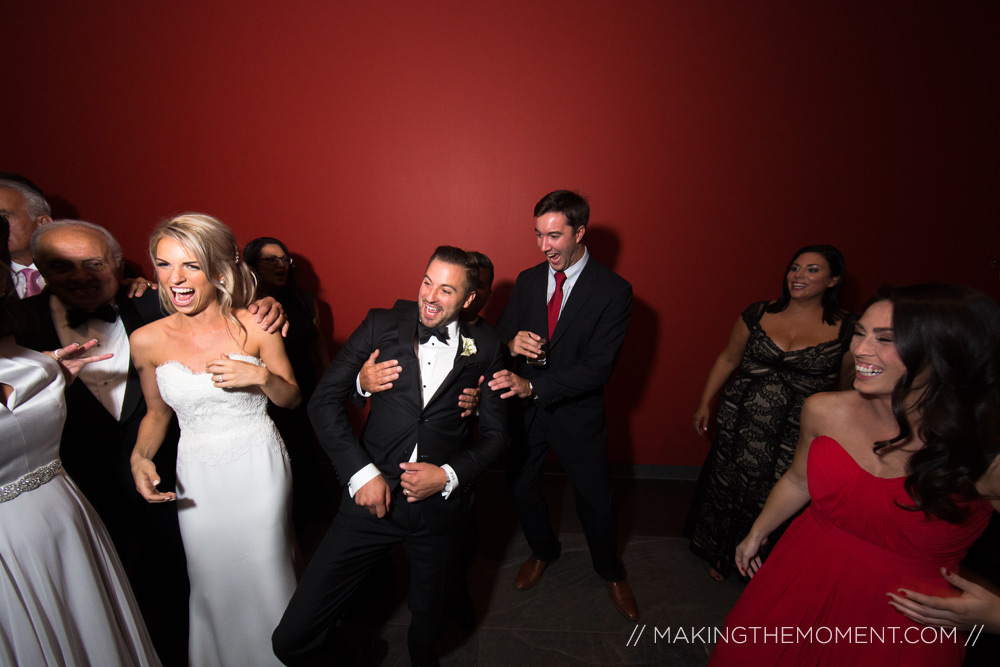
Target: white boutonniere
468,347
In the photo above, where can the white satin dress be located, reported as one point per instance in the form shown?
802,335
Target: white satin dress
64,597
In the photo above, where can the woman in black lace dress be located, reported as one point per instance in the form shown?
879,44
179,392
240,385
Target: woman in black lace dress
782,351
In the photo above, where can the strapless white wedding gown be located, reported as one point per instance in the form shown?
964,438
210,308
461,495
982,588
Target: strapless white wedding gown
233,493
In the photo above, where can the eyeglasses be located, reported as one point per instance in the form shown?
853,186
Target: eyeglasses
274,260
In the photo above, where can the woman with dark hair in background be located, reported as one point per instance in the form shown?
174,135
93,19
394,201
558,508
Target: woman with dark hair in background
65,597
785,350
275,269
897,474
306,349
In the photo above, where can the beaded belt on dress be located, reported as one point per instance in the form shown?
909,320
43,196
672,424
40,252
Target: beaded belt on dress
29,482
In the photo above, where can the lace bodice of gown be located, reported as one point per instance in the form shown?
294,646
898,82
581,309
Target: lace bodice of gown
217,425
806,370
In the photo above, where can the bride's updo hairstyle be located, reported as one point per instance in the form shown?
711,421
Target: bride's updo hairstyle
214,246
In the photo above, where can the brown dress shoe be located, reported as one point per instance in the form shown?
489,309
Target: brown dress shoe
623,599
530,573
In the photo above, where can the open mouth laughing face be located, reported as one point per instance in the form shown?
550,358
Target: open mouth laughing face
180,272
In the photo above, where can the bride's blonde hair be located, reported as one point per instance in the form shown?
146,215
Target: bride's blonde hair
214,246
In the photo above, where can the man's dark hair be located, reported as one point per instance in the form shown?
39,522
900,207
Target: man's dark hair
459,257
482,261
573,206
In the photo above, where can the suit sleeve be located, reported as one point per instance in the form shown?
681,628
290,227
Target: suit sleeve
327,407
508,324
594,365
470,463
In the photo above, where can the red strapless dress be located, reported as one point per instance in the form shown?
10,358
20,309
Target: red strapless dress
831,570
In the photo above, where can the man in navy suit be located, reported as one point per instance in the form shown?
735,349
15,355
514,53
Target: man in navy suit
409,478
581,309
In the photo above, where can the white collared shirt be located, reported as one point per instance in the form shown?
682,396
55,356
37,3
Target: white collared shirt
572,274
105,380
436,360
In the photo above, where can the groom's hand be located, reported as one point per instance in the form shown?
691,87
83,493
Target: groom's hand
375,496
422,480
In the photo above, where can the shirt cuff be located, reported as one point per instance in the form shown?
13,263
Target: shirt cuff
362,477
452,482
357,385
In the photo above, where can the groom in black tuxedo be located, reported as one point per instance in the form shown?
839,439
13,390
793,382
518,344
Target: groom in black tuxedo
410,477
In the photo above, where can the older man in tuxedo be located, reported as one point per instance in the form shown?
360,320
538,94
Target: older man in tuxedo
409,477
581,310
83,299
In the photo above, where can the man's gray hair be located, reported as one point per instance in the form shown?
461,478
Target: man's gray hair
111,241
35,205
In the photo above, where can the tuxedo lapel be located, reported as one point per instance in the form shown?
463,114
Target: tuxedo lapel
582,291
45,336
408,351
131,320
538,316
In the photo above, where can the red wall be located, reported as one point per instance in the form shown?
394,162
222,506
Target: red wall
713,138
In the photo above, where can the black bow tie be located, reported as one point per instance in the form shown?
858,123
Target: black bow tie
75,316
425,332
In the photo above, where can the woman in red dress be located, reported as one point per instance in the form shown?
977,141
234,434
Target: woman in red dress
898,472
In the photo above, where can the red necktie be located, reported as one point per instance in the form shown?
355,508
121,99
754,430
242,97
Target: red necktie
31,281
555,303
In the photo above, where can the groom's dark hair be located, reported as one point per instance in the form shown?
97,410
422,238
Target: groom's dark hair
459,257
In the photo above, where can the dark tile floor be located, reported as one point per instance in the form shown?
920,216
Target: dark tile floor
567,619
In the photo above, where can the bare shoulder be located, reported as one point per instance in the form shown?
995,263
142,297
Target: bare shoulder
252,337
149,335
829,408
147,341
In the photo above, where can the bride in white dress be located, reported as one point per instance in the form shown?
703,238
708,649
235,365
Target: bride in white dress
215,368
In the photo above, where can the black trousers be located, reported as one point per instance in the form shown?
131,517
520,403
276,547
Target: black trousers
587,467
354,545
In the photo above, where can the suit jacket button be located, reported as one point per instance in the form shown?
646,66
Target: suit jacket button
421,420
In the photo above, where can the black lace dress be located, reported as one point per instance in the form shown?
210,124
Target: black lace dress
757,430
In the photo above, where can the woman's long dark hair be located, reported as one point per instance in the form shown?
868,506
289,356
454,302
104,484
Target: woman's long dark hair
948,338
832,312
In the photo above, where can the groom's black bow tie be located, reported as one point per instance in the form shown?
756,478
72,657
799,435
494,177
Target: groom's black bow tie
425,332
75,316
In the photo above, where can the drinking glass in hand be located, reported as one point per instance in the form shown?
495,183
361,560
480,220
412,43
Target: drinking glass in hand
542,356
